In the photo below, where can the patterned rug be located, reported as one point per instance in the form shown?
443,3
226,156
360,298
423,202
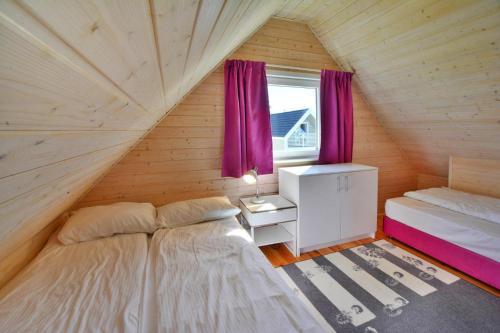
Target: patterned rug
380,287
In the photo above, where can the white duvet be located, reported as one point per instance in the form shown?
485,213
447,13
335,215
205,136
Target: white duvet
211,277
208,277
93,286
483,207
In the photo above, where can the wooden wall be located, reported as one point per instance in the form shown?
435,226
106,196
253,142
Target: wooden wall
427,181
475,176
82,81
429,69
181,157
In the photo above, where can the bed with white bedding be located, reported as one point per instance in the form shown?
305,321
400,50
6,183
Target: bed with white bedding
92,286
468,221
475,234
189,276
211,277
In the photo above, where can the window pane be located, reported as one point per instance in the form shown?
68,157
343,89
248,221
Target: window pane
294,120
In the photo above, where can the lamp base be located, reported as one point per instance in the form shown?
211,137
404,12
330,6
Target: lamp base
257,200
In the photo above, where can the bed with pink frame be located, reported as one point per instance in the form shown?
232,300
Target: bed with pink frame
467,175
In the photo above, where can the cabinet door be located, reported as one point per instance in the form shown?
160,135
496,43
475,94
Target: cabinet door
359,203
319,210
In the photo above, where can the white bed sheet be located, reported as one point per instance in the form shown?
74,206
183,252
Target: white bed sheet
480,206
211,277
472,233
94,286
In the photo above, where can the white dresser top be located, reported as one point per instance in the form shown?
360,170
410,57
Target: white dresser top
310,170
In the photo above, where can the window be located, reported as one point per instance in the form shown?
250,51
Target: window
294,106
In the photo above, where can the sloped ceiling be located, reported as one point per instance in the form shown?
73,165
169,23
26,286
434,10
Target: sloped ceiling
82,81
430,70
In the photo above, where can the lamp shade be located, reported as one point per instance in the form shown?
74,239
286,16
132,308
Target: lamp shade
251,176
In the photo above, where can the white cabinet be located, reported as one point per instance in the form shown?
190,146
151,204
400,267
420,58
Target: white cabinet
336,203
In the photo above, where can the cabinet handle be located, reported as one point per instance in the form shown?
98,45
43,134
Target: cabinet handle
338,183
346,184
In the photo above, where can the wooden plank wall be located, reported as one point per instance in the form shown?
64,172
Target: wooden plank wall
429,69
427,181
475,176
181,157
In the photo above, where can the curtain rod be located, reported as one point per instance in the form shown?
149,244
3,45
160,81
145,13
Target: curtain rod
294,68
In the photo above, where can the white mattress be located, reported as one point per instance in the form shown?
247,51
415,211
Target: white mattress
208,277
93,286
480,206
472,233
211,277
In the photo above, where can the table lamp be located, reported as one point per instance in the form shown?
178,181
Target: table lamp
252,177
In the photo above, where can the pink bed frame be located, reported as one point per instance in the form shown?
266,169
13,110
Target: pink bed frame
478,266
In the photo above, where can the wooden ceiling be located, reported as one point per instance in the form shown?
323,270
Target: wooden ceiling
83,81
430,70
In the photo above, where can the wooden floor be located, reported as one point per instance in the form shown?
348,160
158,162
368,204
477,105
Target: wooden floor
279,255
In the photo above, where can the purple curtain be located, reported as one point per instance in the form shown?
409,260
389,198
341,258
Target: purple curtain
336,117
247,131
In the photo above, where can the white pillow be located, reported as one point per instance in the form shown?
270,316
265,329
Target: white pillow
194,211
104,221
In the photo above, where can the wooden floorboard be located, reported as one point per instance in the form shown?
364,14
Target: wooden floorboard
279,255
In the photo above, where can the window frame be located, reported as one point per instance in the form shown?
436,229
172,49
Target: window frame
298,80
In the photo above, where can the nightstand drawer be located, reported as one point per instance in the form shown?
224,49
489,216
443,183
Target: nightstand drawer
269,217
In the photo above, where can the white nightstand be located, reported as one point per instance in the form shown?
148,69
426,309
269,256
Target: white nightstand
271,222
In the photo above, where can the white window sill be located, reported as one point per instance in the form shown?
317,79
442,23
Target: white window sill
295,162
